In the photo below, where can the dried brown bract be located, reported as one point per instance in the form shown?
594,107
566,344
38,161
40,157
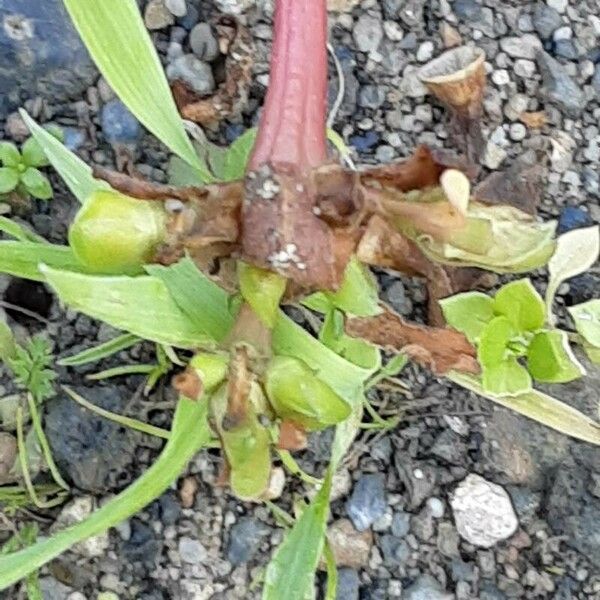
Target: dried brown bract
440,350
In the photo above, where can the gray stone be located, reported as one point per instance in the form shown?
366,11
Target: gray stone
203,42
89,449
367,502
422,525
143,544
436,507
524,46
546,20
348,585
245,538
449,447
566,49
53,590
425,587
396,295
368,33
559,87
157,15
118,124
400,524
448,540
41,54
371,96
395,551
177,7
234,7
483,512
8,455
425,51
191,551
419,478
558,5
467,10
526,503
192,71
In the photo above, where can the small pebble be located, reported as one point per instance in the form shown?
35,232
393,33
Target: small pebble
157,15
203,42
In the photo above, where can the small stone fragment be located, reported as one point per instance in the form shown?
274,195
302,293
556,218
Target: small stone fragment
245,538
546,20
368,33
483,512
203,42
450,36
177,7
193,72
425,587
187,492
350,547
157,15
191,551
367,502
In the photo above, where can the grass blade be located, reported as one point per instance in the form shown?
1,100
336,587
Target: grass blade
101,351
139,305
19,232
541,408
74,172
291,572
190,432
22,259
116,37
121,371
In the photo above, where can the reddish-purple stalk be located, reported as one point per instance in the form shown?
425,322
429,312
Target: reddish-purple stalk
292,130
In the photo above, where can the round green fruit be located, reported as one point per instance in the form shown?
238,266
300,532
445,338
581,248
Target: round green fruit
115,234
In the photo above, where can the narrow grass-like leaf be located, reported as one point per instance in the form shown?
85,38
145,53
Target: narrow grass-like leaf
19,232
121,371
101,351
22,259
116,37
139,305
291,572
74,172
332,573
189,433
120,419
541,408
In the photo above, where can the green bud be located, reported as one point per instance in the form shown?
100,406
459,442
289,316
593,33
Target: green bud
115,234
247,446
298,395
262,290
211,368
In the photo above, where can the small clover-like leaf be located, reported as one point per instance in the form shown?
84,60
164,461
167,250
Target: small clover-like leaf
551,360
587,321
9,154
36,184
520,303
576,251
494,340
9,179
33,155
468,313
506,378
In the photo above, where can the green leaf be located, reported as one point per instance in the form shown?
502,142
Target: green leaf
139,305
8,347
22,259
238,155
33,154
520,303
291,572
101,351
357,295
9,154
515,242
262,290
116,37
506,378
587,321
494,340
181,174
468,313
576,252
551,360
541,408
75,173
338,142
19,232
189,433
202,301
9,178
37,184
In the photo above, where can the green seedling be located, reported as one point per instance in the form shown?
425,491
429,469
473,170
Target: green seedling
20,170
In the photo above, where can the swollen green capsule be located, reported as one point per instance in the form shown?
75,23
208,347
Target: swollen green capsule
297,395
247,446
115,234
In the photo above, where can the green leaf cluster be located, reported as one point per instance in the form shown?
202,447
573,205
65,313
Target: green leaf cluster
31,365
514,346
20,170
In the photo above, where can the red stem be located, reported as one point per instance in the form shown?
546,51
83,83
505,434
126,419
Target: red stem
293,123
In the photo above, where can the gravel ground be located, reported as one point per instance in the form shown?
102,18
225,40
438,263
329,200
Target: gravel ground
463,500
